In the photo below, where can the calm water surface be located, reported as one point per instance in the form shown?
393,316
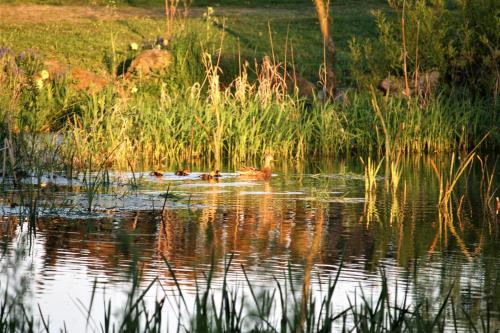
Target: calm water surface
309,219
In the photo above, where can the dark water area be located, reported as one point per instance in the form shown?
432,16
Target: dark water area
307,221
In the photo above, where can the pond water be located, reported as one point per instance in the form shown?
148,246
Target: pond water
304,223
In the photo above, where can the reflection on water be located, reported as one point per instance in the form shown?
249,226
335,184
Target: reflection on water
305,220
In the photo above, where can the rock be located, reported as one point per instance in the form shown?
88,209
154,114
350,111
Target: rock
341,96
83,80
158,43
150,61
55,68
428,82
79,79
304,88
308,90
395,86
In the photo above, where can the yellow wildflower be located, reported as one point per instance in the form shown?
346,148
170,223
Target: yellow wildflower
39,83
44,74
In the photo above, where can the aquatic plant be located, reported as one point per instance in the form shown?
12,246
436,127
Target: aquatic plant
447,182
277,309
396,173
371,171
487,189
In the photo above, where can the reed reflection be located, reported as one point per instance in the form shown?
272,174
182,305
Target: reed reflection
259,225
310,221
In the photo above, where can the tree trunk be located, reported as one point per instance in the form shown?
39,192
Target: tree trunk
329,78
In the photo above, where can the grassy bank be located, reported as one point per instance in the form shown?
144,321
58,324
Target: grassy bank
212,105
86,39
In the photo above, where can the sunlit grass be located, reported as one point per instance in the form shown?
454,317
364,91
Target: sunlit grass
203,109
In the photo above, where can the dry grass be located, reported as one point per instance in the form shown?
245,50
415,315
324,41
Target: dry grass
35,13
32,13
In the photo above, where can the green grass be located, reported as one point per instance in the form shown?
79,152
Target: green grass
174,118
87,42
179,127
195,3
301,31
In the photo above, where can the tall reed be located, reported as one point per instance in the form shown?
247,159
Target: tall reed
191,114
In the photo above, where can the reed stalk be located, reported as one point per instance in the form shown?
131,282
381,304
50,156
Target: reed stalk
447,182
486,187
371,171
192,115
328,78
396,172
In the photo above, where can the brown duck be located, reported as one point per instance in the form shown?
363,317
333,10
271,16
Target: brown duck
212,175
156,173
183,172
255,173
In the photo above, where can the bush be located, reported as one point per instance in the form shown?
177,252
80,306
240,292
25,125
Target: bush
459,38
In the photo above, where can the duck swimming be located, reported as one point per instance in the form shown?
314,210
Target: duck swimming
183,172
207,176
264,173
212,175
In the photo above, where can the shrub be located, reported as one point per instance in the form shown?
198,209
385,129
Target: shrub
459,38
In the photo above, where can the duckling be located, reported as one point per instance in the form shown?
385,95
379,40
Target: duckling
212,175
183,172
156,173
208,176
255,173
